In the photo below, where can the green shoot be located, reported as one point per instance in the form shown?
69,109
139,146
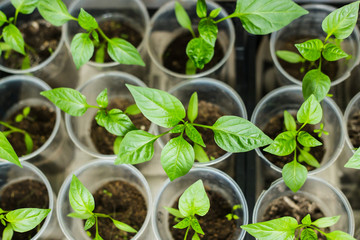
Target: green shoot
232,215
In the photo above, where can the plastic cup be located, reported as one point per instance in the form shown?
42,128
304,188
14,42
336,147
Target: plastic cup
352,108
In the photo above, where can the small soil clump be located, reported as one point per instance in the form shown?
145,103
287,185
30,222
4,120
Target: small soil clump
175,57
123,202
354,129
24,194
102,139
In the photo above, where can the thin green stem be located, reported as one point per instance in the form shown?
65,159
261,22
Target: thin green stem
200,125
295,155
103,35
192,32
92,106
12,128
301,128
187,231
327,38
31,49
227,17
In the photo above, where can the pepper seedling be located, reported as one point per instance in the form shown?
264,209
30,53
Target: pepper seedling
194,201
231,133
338,25
257,17
21,220
83,44
294,173
232,215
286,228
83,203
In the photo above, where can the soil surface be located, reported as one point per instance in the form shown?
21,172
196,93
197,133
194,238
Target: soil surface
39,124
353,125
102,139
42,39
295,206
123,202
275,127
214,224
24,194
175,57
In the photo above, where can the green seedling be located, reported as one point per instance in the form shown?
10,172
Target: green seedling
231,133
21,220
257,17
194,201
23,115
83,44
338,25
83,203
232,215
299,142
287,228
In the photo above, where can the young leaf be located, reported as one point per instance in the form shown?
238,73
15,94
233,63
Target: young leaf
132,110
25,219
13,37
54,11
183,18
7,152
82,49
208,30
200,52
194,135
305,156
195,237
178,128
235,134
308,234
192,111
317,83
158,106
341,22
201,9
123,226
69,100
311,49
336,235
89,223
354,161
118,123
25,6
265,16
294,175
3,18
283,145
123,52
177,158
80,198
214,13
196,226
289,121
183,223
194,200
28,143
136,147
8,233
306,220
200,154
289,56
86,21
174,212
332,52
101,117
307,140
281,228
310,111
102,99
326,222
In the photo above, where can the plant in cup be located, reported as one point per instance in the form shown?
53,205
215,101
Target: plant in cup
232,215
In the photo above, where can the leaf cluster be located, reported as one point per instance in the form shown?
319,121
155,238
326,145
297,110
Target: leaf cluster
232,215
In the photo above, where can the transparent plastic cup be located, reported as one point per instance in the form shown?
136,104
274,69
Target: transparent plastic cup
79,127
327,197
310,25
290,98
352,108
216,180
93,176
164,28
212,91
11,173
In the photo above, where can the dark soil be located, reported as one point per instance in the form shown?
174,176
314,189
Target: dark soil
295,206
329,68
39,124
102,139
214,224
24,194
175,57
353,125
275,127
41,36
117,29
123,202
208,113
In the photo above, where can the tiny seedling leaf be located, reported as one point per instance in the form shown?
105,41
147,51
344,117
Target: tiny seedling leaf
208,30
178,129
214,13
200,154
86,21
132,110
123,226
118,123
308,234
123,52
7,152
80,198
8,233
196,226
336,235
310,111
332,52
54,11
183,223
289,56
82,49
354,161
174,212
28,143
192,111
305,139
317,83
25,6
195,237
289,121
89,223
311,49
13,37
200,52
194,200
294,175
25,219
283,145
102,99
182,17
326,222
201,9
306,220
305,156
194,135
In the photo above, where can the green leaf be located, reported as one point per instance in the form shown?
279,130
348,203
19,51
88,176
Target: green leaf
54,11
289,56
182,17
200,52
308,234
317,83
208,30
194,135
281,228
178,129
80,216
266,16
7,152
200,154
82,49
25,6
89,223
305,156
19,118
118,123
69,100
332,52
25,219
123,226
192,111
311,49
326,222
3,18
158,106
336,235
235,134
26,111
28,143
80,198
289,121
177,158
8,233
132,110
117,143
307,140
342,21
100,117
183,223
283,145
102,99
195,237
98,237
136,147
174,212
123,52
13,37
194,200
306,220
294,175
196,226
201,9
214,13
354,161
86,21
310,111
